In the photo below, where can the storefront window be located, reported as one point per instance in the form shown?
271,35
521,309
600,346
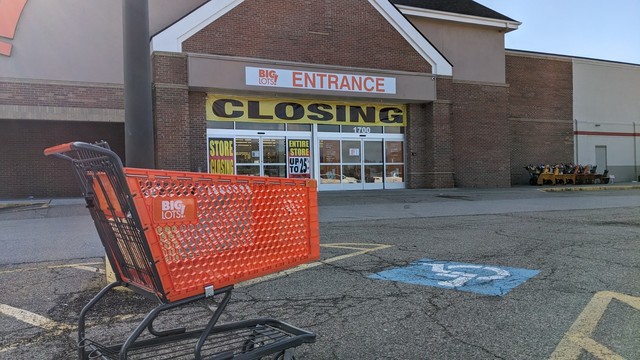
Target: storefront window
330,162
351,174
258,126
298,127
362,129
274,151
394,158
219,125
394,129
328,128
351,151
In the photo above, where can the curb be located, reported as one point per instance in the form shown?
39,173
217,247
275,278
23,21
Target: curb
593,188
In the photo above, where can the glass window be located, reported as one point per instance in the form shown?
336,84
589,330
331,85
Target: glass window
219,124
330,174
329,151
362,129
247,151
273,151
258,126
275,170
298,127
395,152
351,151
394,129
351,174
394,173
373,151
373,173
329,128
253,170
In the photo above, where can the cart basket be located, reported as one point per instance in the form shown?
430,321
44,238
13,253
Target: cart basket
176,235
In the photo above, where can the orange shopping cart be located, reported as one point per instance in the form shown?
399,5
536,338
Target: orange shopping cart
181,237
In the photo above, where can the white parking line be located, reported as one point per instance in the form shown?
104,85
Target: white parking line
363,249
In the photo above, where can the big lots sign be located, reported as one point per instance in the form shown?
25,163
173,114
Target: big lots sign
319,80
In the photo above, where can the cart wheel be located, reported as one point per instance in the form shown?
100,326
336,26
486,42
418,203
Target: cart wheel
251,344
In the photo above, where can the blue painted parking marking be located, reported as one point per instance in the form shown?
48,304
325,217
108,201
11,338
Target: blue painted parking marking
482,279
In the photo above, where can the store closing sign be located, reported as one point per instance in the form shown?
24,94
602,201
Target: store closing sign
221,156
299,158
238,108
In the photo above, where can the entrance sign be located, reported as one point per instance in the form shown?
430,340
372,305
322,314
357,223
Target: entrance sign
300,79
297,111
221,156
482,279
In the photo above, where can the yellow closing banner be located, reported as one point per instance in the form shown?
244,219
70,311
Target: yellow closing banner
237,108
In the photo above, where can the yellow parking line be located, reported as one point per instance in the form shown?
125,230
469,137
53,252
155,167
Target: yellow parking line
81,266
363,249
34,319
578,337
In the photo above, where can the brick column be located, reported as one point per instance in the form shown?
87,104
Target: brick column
429,157
171,111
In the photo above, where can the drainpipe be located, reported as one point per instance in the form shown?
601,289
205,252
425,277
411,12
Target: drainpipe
635,154
138,119
575,137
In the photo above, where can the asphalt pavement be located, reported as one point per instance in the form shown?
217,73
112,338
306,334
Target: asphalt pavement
516,273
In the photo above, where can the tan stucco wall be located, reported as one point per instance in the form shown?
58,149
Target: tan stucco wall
606,92
476,52
605,100
78,40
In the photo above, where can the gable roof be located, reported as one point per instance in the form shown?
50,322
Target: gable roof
464,7
171,38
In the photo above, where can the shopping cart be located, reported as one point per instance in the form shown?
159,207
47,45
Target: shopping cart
181,237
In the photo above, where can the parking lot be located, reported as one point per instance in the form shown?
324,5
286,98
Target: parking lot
409,274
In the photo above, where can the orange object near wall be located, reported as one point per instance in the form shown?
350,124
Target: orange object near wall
218,230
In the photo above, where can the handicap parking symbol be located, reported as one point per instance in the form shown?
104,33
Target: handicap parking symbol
482,279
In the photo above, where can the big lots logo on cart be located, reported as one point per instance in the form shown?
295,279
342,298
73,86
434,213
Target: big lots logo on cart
174,209
267,77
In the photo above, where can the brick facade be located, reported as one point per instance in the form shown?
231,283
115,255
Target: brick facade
480,135
474,135
27,172
429,146
540,112
330,32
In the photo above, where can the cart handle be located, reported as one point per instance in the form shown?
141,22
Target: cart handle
62,148
99,147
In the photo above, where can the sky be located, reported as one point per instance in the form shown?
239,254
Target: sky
598,29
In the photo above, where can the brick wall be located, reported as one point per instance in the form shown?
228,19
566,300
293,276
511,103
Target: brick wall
198,131
27,172
429,151
61,95
171,112
540,112
480,135
332,32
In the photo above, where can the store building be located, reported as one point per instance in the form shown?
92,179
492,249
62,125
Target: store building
358,94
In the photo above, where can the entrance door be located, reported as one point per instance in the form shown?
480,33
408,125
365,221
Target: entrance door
261,156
